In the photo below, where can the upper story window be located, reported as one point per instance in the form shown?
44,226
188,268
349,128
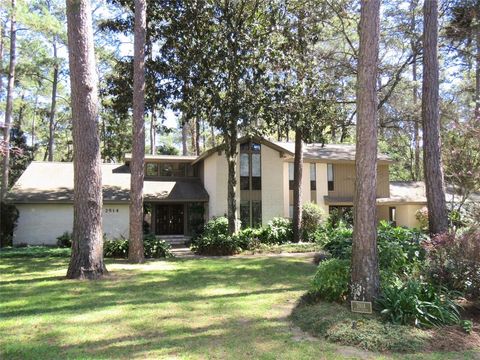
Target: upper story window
173,169
330,177
313,177
291,176
250,166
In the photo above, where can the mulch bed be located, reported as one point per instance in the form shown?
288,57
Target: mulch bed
454,338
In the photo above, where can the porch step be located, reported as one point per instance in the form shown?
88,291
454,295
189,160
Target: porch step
182,252
174,239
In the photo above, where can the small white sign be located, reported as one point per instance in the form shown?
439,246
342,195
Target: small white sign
363,307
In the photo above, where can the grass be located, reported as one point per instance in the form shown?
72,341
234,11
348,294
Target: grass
186,309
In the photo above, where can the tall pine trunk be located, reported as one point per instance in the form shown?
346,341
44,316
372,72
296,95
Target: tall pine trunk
231,154
365,279
137,165
416,127
86,261
297,187
184,138
53,107
432,158
9,102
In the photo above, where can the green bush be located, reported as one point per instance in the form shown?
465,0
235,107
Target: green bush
312,218
215,240
65,240
400,250
153,248
331,280
278,231
418,303
115,248
156,248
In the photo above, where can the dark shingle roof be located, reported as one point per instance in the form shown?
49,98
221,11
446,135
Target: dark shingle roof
53,182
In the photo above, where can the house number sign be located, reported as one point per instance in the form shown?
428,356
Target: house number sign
363,307
110,211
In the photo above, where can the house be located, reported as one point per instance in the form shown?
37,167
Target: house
182,191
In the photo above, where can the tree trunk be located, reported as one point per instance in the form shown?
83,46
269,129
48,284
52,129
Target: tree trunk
137,166
87,244
197,135
153,128
184,138
231,153
2,36
477,75
365,283
53,107
416,132
9,103
432,159
193,135
297,187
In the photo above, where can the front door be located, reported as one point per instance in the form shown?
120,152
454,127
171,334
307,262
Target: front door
169,219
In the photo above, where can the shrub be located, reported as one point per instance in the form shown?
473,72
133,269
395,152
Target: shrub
116,248
418,303
156,248
422,217
65,240
153,248
312,218
454,261
215,239
339,242
400,249
8,216
331,280
278,231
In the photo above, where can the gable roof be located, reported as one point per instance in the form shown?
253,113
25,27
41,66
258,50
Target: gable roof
45,182
313,152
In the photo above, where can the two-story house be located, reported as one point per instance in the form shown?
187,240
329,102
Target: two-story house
181,192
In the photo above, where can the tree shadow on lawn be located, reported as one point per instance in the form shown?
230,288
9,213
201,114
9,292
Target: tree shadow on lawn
221,339
191,282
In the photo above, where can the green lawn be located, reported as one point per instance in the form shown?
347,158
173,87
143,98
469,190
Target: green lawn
187,309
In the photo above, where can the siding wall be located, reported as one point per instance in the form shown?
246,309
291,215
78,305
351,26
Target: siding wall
273,184
40,224
344,179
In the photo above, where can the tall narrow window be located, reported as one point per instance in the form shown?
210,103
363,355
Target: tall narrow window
290,176
244,172
330,177
313,177
250,184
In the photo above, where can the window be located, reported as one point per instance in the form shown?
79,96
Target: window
340,213
256,172
256,213
330,177
244,172
250,184
245,214
313,177
151,169
291,176
393,215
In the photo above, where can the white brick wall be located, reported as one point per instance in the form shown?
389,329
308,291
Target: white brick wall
41,224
